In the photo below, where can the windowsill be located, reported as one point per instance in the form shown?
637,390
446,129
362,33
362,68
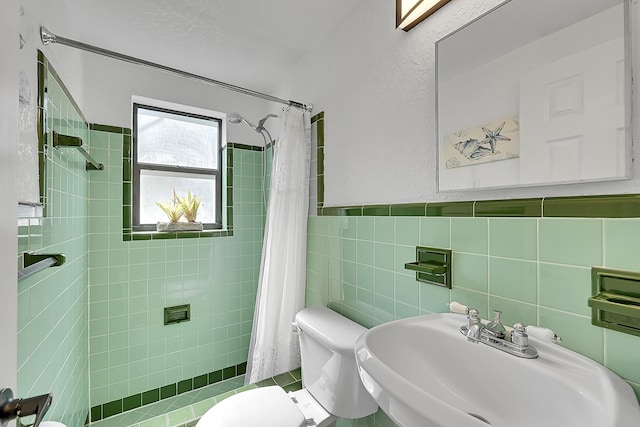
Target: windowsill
163,235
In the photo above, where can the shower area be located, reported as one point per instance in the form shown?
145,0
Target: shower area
91,332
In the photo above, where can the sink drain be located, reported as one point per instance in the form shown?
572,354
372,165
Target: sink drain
483,419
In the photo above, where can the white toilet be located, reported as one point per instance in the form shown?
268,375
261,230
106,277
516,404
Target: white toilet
332,387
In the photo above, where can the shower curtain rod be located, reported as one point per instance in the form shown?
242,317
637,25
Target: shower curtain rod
48,37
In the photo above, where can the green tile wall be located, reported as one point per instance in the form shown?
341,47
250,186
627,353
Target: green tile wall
131,281
536,270
316,180
52,304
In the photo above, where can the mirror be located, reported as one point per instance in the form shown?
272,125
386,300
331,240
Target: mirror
535,93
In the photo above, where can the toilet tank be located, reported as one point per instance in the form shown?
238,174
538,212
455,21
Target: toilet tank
329,370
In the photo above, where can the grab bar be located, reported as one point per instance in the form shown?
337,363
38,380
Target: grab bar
60,140
33,263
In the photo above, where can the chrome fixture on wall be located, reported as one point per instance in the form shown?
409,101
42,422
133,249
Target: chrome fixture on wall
494,335
48,37
11,408
236,118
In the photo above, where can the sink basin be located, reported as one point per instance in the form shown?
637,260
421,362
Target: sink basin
423,372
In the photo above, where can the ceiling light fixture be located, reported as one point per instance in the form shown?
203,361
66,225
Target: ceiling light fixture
410,13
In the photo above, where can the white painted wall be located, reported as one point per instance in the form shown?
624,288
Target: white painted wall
9,72
103,87
109,85
377,87
67,64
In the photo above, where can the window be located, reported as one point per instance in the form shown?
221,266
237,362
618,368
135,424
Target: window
176,150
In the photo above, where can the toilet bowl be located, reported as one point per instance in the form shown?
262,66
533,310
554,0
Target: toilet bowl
268,406
332,387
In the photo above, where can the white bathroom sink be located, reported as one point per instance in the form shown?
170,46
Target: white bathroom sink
423,372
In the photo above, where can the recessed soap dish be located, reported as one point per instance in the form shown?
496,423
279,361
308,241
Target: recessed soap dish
615,303
432,265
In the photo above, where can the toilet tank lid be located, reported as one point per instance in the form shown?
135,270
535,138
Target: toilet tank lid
337,332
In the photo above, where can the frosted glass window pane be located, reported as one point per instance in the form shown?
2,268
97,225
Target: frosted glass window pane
158,187
176,140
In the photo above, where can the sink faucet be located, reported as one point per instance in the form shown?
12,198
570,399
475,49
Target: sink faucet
494,335
496,328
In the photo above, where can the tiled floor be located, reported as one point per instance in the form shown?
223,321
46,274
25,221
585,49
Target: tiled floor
186,409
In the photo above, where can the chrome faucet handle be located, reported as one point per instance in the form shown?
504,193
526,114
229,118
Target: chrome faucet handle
496,328
519,335
474,327
473,317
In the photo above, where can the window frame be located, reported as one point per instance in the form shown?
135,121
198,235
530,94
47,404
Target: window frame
136,167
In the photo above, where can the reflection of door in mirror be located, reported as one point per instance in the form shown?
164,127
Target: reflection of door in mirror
572,114
560,71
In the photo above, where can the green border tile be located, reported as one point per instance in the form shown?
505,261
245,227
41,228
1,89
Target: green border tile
317,117
127,197
140,236
151,396
41,130
96,413
126,147
376,210
185,386
343,211
215,377
106,128
509,208
409,209
320,160
167,391
463,209
131,402
126,170
163,236
229,372
607,206
112,408
200,381
244,146
320,186
241,369
320,132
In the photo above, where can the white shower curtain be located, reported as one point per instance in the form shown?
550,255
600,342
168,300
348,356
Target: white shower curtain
274,347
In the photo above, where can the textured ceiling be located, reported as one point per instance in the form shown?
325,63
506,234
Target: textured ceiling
244,42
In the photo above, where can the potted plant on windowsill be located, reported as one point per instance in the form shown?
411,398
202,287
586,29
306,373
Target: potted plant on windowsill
190,205
176,209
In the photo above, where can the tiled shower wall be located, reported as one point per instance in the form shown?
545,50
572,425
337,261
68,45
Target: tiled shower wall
91,331
535,270
130,282
52,304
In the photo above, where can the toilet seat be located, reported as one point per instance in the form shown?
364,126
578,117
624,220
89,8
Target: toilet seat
267,406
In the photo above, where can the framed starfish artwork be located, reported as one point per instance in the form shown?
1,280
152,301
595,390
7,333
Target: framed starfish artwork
489,142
